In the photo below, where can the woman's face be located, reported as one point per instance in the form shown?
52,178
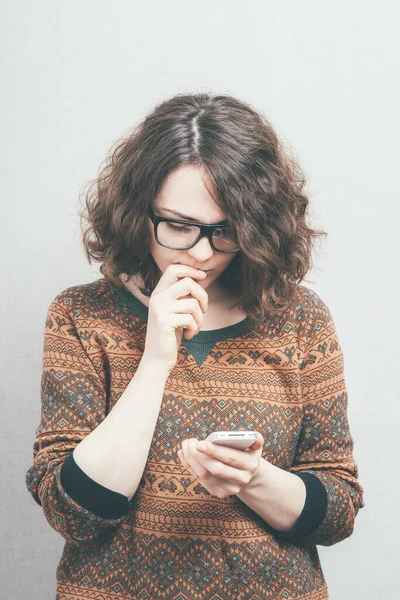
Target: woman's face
185,196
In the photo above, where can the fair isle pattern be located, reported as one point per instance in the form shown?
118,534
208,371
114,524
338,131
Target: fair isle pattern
284,378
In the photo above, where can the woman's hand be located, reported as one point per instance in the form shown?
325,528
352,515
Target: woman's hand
178,302
222,471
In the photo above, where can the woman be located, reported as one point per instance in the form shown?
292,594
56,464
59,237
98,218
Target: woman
199,324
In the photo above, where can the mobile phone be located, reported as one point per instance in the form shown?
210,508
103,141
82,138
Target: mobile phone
240,440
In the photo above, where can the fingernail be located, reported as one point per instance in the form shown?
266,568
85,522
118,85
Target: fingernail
202,446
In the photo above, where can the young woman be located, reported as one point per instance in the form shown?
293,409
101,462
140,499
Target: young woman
198,325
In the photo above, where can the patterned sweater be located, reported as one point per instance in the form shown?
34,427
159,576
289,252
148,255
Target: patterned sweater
282,376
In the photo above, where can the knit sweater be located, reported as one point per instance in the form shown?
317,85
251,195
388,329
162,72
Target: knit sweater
282,375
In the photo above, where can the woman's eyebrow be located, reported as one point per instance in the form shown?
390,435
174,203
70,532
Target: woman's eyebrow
187,218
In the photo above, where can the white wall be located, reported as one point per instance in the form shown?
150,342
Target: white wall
77,75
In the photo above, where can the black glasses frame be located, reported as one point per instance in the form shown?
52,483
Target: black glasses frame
205,230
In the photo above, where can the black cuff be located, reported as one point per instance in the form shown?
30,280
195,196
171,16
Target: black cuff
313,513
91,495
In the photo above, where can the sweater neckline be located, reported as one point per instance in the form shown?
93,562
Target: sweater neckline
212,335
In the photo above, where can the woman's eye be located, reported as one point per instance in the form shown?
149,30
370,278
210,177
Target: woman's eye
178,227
224,232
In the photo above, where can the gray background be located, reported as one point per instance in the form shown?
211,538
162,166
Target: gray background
78,75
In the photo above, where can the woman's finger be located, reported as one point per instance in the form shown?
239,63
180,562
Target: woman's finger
186,464
206,466
240,459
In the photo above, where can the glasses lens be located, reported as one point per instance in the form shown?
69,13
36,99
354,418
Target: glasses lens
225,239
176,235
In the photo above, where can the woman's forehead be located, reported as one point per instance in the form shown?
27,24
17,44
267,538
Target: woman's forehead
200,219
186,194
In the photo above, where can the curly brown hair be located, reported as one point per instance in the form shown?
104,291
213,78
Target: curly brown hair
256,182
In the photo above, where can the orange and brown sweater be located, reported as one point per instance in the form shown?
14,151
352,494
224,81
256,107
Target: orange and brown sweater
282,376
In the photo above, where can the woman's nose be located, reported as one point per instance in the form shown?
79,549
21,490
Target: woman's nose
202,250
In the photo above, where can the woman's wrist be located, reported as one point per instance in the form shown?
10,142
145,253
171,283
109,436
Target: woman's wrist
276,495
154,369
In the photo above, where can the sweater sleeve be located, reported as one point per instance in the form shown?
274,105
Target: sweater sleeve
73,403
325,445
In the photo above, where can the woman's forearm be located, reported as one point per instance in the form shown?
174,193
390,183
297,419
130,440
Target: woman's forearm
115,453
277,496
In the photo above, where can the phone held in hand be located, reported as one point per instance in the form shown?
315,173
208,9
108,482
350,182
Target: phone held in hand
240,440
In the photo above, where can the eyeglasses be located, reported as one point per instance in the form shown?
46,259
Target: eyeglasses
182,235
